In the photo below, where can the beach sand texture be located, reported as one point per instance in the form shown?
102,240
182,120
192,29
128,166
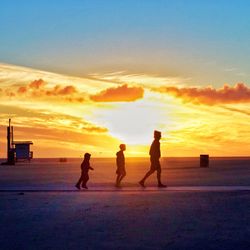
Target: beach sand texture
51,174
132,218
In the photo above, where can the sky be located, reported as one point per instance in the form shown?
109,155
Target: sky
87,75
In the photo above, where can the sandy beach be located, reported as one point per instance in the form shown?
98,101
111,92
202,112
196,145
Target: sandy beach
202,208
176,172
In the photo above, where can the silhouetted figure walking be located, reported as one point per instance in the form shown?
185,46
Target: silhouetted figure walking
85,166
155,154
120,163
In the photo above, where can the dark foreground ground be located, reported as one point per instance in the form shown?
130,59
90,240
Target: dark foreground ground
125,220
202,208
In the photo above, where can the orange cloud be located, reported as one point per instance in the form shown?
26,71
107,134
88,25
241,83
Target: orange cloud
240,93
22,90
119,94
75,99
58,90
36,84
9,93
39,89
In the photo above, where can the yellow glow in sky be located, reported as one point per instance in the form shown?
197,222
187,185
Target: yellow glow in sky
67,116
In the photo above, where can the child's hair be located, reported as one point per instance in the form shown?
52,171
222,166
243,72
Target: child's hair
87,156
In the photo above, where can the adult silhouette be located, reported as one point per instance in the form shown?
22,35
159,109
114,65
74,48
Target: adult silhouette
155,154
120,163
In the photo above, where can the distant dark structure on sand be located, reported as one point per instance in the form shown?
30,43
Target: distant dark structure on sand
63,159
16,150
204,161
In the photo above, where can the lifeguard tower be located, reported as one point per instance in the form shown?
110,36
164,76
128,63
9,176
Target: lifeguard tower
16,150
22,150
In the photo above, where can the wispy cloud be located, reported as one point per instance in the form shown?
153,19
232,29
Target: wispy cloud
241,111
145,80
12,75
235,71
43,118
230,69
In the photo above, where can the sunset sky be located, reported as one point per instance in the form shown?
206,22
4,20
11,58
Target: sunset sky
82,76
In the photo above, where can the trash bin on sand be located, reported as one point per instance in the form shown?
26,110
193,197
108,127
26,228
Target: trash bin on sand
204,161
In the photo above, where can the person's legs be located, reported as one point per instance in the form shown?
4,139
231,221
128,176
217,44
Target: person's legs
159,177
117,180
121,177
78,184
85,180
151,171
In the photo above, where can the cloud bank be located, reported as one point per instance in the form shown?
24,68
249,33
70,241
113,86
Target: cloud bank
122,93
40,89
240,93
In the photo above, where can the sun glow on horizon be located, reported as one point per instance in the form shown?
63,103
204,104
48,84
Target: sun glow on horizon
63,119
132,122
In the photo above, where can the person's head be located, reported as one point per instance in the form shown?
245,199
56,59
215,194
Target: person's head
157,135
87,156
123,147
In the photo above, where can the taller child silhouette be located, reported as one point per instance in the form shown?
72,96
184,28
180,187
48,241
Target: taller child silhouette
120,162
155,154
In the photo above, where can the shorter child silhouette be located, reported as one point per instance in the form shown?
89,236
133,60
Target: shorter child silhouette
85,166
120,163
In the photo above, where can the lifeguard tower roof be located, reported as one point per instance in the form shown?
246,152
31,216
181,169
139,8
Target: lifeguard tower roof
22,142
